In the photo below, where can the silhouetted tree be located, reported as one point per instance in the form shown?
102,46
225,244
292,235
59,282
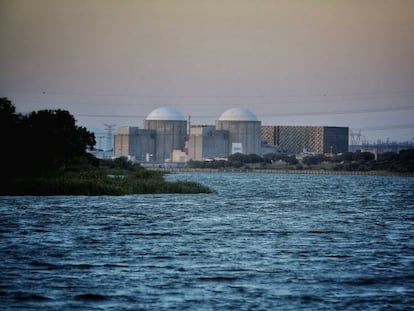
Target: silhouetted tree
315,159
40,142
363,156
11,135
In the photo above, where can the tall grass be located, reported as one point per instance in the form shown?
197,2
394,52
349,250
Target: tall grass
99,183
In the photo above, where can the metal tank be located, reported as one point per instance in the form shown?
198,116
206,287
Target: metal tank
171,129
244,130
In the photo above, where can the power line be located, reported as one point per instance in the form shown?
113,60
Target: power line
388,127
137,95
289,114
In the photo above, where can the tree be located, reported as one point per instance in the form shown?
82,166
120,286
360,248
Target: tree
10,136
43,141
254,158
363,157
314,160
280,157
346,156
55,137
240,157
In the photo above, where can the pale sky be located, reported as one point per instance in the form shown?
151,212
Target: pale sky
291,62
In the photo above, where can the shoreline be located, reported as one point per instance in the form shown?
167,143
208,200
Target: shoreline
282,171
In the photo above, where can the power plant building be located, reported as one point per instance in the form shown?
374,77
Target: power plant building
243,128
315,139
170,127
165,137
236,130
134,142
205,142
165,131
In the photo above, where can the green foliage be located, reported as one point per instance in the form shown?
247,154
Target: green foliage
55,137
7,111
239,157
46,155
239,160
347,161
96,182
276,157
314,160
120,163
346,156
215,164
398,162
41,142
363,157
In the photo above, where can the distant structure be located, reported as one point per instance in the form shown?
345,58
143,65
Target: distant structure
315,139
243,128
206,142
135,143
168,137
170,128
236,130
109,135
165,131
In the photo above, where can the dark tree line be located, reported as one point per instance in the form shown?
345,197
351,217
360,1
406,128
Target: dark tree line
365,161
347,161
41,142
239,160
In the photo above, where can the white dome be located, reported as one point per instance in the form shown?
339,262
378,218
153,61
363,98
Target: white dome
165,114
238,114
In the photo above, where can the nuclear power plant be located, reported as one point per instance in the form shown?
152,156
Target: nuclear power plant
243,129
170,128
166,137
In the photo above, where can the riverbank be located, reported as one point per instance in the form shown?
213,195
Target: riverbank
284,171
98,182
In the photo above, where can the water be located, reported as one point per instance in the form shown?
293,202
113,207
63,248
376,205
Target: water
262,242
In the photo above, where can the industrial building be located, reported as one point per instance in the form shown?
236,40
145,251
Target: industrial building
315,139
243,128
236,130
136,143
165,138
165,130
170,128
205,142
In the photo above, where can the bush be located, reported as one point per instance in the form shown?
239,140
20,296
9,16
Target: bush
314,160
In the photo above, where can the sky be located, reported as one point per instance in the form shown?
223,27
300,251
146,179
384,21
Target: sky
291,62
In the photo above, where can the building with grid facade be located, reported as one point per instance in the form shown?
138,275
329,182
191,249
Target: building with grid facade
317,139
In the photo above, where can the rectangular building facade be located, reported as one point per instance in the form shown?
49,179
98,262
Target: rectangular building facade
136,143
296,139
335,139
207,142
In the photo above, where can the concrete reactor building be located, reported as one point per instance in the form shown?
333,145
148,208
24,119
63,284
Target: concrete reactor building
165,130
165,138
243,128
236,130
170,127
205,142
135,143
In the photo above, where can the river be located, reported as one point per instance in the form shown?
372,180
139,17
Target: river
261,242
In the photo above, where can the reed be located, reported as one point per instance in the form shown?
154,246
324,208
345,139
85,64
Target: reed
97,183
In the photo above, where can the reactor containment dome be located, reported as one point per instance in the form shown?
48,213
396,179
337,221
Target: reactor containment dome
170,129
165,114
243,130
238,114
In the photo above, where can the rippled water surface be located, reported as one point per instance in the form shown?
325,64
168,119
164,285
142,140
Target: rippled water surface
261,242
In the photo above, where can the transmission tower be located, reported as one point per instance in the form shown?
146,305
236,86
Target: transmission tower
109,135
